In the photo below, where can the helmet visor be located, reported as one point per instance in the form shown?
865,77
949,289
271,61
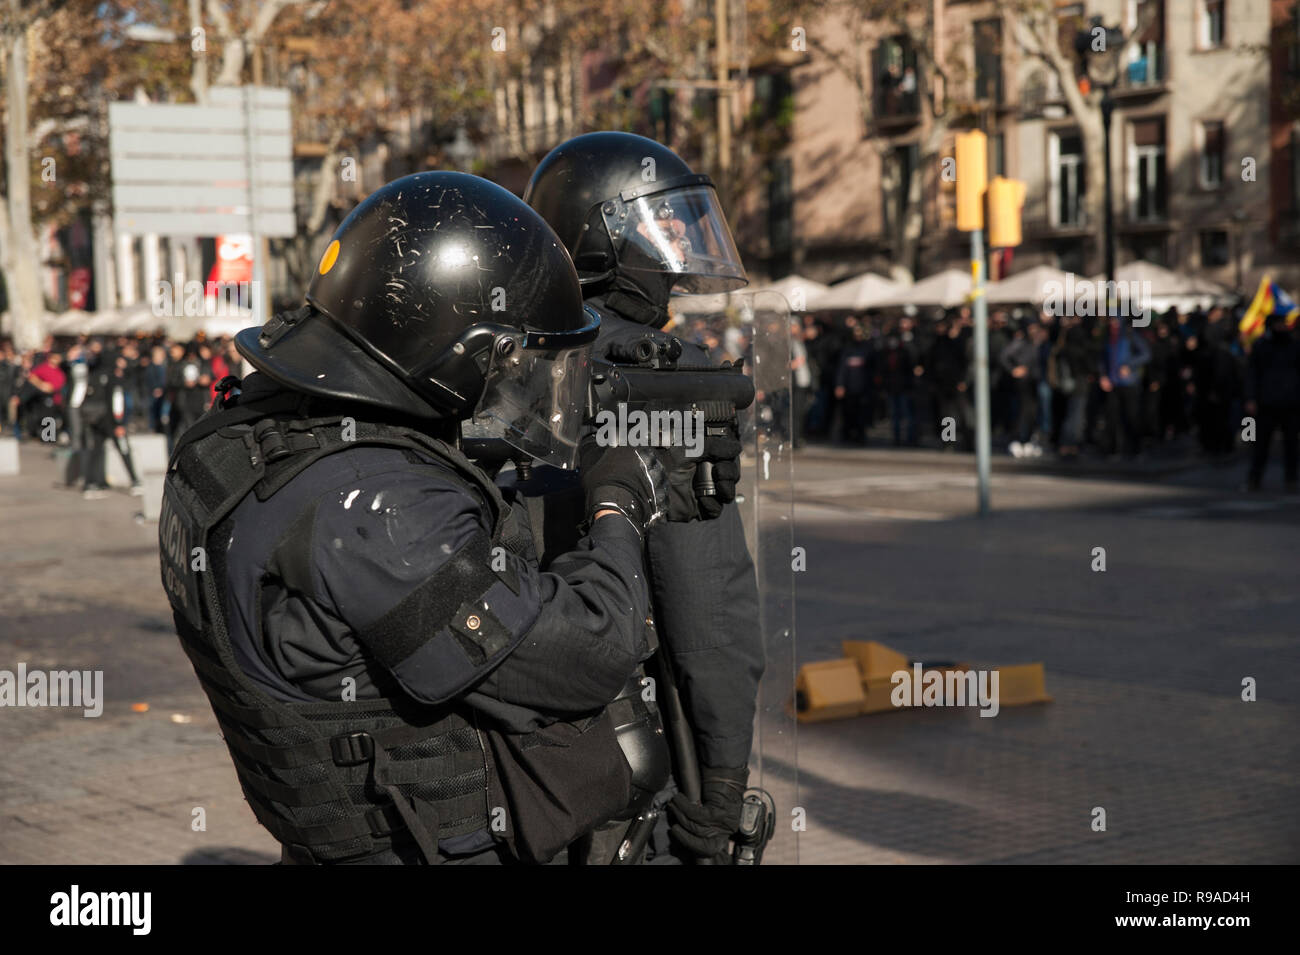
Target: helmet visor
679,231
536,400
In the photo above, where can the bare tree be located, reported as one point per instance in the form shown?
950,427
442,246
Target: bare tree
1036,27
19,257
364,69
241,30
940,75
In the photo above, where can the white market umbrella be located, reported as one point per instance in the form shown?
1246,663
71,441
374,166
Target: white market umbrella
1163,288
867,290
143,320
67,323
793,288
109,322
1161,282
789,288
945,289
1032,286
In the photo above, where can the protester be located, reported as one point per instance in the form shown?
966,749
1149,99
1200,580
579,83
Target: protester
948,368
853,386
1120,376
1272,393
1024,360
1216,379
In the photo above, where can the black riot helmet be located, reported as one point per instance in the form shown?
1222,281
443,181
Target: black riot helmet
442,296
629,210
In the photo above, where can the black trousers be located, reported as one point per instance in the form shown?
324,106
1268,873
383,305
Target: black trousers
857,416
95,463
951,403
1213,425
1026,408
1123,418
1285,418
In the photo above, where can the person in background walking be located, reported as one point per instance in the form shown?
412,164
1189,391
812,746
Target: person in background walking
900,365
853,384
1216,380
104,413
42,394
821,347
801,382
1020,359
1166,373
11,380
1069,367
948,368
78,371
1120,376
155,382
1272,393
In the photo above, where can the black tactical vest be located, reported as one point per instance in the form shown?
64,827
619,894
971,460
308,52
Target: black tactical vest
332,781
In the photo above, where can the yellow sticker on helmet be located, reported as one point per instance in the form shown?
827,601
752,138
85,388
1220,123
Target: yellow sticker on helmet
331,254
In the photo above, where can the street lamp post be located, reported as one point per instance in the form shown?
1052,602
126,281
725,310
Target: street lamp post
1113,45
1107,110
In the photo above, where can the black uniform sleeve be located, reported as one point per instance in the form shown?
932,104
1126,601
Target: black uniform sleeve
590,632
706,600
578,630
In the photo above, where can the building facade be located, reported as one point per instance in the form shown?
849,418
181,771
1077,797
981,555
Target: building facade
1205,153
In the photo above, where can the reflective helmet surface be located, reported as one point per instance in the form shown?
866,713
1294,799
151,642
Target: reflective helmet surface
625,204
413,289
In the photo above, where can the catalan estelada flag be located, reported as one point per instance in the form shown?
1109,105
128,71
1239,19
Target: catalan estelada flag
1268,299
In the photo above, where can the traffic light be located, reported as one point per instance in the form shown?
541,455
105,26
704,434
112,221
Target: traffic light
972,177
1006,197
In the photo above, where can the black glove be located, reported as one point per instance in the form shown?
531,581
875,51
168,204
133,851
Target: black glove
723,451
704,828
632,481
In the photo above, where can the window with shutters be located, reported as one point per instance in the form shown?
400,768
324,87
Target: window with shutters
988,60
1148,248
1214,248
780,214
1147,188
899,165
1211,16
1211,159
1295,170
1291,41
1146,55
894,70
997,155
1068,173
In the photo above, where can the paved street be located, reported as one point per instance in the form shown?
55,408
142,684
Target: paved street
1144,661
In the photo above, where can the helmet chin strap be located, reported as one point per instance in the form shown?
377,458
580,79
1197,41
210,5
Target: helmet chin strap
633,301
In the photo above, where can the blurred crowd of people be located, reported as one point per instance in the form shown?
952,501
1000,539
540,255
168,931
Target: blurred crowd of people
85,394
1063,386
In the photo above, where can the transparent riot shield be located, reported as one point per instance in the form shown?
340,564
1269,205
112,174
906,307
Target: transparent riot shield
756,327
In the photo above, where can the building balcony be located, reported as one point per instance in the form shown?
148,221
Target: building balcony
896,109
1043,228
1144,75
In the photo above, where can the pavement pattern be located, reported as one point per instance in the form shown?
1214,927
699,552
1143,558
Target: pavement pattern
1144,662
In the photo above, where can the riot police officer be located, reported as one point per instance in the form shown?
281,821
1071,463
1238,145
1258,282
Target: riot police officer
639,224
396,679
